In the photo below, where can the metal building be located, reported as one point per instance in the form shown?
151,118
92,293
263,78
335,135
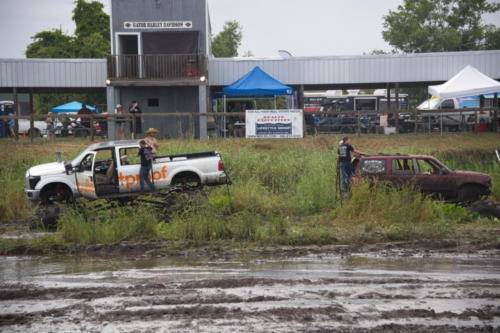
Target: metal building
159,58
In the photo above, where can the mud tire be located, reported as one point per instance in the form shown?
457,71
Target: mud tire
470,193
486,208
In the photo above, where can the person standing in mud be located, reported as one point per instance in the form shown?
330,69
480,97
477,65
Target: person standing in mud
345,167
147,157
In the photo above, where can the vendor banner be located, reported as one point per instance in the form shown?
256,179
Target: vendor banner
274,124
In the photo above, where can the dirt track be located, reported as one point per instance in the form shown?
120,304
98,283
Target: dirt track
391,291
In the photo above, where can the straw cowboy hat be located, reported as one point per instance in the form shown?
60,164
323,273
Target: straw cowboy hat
151,131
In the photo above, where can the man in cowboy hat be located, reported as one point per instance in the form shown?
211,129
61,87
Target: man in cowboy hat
150,139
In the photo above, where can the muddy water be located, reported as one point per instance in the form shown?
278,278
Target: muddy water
365,292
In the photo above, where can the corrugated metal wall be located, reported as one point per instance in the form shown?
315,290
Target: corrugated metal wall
91,73
53,73
358,69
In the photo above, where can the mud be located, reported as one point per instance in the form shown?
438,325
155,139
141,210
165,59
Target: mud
395,290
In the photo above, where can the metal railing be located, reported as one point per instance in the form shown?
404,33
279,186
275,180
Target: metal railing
157,67
232,124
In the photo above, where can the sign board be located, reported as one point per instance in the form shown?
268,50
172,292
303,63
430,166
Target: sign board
274,124
159,25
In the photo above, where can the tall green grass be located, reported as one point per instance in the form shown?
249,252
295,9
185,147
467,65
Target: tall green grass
283,192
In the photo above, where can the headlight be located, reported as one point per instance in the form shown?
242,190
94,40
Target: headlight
33,180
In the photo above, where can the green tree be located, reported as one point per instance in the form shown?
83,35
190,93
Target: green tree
90,18
226,43
441,25
91,40
51,44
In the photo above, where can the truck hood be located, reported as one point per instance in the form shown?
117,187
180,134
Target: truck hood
47,169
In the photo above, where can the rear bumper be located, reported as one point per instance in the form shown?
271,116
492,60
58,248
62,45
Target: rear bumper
219,179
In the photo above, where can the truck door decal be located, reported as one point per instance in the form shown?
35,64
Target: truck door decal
129,180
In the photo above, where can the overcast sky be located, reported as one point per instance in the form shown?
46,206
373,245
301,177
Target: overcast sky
303,27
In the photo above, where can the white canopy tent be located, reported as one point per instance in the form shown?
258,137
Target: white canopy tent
468,82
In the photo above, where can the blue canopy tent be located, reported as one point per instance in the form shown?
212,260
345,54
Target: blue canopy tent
257,83
72,107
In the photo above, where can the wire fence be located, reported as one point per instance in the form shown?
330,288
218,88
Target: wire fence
232,124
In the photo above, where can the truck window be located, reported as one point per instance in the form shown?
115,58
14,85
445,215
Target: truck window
427,167
129,156
403,166
86,164
372,167
104,167
447,104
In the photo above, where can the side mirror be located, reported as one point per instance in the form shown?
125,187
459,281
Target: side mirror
68,167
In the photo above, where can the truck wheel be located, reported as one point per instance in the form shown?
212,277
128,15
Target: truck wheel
56,193
36,133
486,208
470,193
188,179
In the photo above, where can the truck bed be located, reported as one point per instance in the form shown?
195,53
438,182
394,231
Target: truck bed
184,157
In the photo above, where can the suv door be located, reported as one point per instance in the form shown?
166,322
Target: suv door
432,179
402,171
84,176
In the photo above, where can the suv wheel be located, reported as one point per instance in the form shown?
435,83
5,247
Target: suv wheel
470,193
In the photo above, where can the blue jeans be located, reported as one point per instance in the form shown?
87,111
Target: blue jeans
345,177
144,177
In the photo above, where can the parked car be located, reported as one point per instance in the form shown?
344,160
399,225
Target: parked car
426,173
110,170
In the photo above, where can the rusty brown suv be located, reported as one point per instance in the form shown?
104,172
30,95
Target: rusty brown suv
427,174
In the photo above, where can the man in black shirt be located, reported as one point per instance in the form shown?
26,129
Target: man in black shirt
147,157
344,165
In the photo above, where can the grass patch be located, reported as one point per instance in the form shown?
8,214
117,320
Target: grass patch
283,192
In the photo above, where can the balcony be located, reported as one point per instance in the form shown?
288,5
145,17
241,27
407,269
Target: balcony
150,68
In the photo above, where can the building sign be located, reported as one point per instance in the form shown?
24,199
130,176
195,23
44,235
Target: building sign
274,124
159,25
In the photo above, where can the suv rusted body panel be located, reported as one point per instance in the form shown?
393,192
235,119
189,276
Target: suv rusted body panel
426,173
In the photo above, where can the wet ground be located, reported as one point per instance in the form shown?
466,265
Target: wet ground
384,291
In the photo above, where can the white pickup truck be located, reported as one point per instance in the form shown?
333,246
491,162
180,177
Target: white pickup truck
110,170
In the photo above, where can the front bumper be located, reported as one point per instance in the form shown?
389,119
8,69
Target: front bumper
33,195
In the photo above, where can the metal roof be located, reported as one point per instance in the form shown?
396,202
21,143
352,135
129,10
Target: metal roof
366,69
334,70
53,73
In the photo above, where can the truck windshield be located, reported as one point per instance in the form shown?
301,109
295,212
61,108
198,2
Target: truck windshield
431,104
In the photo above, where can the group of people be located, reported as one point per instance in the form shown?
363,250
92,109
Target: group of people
133,109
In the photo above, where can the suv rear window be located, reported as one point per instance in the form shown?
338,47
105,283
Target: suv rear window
372,167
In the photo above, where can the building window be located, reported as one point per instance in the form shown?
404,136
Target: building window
153,102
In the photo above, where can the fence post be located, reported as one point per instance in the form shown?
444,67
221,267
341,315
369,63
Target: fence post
32,126
92,132
476,122
441,123
358,125
416,115
134,126
192,125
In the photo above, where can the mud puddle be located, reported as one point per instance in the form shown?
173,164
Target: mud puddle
389,291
